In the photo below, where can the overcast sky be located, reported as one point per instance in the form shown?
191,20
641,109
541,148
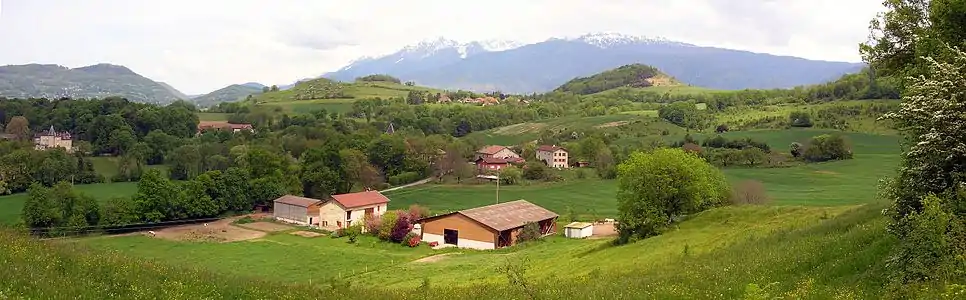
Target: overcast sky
202,45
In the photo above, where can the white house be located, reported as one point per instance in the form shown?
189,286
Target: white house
579,230
553,156
350,209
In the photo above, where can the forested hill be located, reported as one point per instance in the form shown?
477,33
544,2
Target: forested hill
96,81
635,75
229,93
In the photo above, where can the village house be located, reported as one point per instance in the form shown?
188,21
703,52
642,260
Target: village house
349,209
553,156
298,210
51,139
222,125
488,227
484,164
496,152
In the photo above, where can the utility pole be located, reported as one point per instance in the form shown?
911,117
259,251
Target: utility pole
498,186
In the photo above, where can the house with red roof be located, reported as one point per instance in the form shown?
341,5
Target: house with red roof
350,209
495,151
484,164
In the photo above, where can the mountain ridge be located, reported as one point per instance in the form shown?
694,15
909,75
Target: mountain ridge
93,81
543,66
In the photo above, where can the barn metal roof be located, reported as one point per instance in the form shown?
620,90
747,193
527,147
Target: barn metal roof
297,201
508,215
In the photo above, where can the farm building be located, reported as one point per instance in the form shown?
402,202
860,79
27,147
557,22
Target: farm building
553,156
487,227
484,164
496,152
298,210
579,230
347,209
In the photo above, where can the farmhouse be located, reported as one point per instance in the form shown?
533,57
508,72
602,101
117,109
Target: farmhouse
496,152
298,210
488,227
553,156
52,139
494,164
222,125
579,230
348,209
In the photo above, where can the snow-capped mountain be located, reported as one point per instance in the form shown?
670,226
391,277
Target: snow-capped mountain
613,39
524,68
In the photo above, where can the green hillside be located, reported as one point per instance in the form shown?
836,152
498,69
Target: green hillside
231,93
634,76
332,95
96,81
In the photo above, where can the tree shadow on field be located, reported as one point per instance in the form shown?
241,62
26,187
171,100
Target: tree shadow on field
604,246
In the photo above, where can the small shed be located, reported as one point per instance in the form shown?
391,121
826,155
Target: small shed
579,230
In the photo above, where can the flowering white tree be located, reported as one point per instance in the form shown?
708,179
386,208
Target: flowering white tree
929,193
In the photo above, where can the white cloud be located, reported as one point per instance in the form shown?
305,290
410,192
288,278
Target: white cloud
201,45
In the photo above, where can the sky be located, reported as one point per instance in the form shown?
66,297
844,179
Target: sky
199,46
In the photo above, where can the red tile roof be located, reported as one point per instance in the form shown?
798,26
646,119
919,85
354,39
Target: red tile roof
297,201
353,200
491,149
549,148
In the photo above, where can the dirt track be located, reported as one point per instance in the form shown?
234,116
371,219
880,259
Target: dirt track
218,231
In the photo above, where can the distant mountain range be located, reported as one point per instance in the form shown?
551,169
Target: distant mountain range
96,81
540,67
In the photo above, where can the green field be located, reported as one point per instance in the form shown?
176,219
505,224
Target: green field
206,116
289,102
107,166
12,205
525,132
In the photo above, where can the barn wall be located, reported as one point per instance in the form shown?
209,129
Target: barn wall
290,213
468,229
330,213
462,242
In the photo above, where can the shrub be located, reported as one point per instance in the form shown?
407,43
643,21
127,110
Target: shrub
379,77
417,212
414,241
721,128
535,171
800,119
402,228
691,147
827,147
658,187
387,224
795,149
529,232
433,244
372,224
510,175
750,192
352,230
404,178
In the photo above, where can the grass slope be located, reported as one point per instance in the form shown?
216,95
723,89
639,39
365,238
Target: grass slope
525,132
796,252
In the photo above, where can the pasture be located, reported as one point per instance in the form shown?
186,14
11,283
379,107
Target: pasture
12,205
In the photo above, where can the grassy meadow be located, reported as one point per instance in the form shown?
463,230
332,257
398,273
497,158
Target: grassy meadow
12,205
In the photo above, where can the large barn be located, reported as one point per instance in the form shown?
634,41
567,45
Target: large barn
488,227
298,210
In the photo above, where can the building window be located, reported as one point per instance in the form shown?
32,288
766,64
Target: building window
325,223
348,215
